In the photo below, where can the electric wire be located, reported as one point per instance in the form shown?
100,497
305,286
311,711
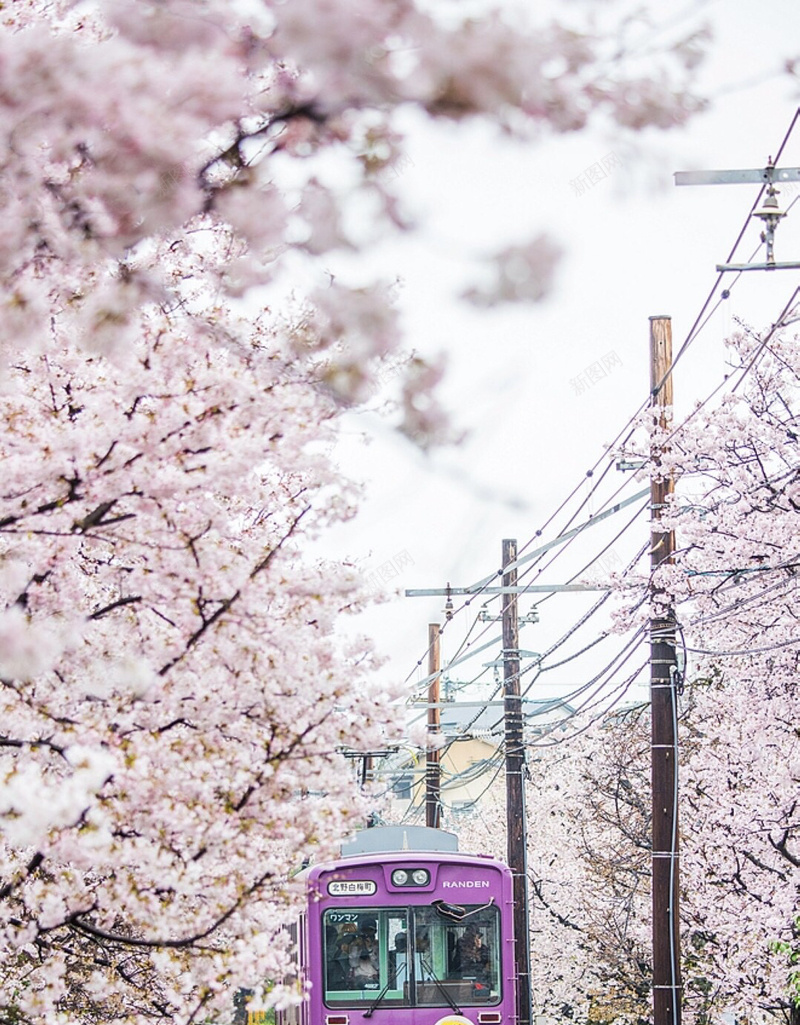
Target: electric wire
745,651
537,664
621,690
570,658
623,654
568,543
499,768
584,619
499,573
479,592
614,540
760,350
740,604
596,683
415,813
610,501
597,697
699,324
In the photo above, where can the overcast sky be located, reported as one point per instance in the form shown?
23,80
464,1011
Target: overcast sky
524,383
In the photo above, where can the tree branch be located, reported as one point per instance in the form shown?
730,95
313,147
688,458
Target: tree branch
131,600
77,922
30,868
226,605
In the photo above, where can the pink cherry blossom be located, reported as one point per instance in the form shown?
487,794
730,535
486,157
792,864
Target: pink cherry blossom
177,681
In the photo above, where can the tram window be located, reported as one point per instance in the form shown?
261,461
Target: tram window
412,956
457,958
365,952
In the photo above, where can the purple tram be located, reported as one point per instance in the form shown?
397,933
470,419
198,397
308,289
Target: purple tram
406,930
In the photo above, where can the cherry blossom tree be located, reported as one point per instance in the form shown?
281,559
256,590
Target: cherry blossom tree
734,582
174,696
588,866
733,588
588,870
175,693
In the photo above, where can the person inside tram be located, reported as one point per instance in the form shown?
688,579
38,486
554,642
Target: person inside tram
364,943
472,956
399,960
370,943
337,955
365,971
423,968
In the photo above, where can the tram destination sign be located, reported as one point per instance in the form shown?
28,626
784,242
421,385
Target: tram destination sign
352,888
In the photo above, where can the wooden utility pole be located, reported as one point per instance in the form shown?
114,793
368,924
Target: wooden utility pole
515,784
433,779
663,710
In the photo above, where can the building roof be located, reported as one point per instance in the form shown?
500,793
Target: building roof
485,720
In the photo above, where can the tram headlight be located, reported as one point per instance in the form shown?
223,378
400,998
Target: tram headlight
411,877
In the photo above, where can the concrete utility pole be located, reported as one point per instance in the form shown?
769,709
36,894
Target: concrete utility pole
433,778
515,782
517,851
663,711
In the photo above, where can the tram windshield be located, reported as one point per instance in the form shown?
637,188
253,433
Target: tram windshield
412,956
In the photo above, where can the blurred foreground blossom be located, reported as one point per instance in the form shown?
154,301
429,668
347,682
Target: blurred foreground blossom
522,273
175,683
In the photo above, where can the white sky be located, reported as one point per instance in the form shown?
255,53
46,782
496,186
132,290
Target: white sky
635,246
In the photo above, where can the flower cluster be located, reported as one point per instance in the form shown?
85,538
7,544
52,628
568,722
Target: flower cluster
174,692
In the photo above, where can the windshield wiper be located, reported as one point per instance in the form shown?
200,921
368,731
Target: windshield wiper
377,1001
437,982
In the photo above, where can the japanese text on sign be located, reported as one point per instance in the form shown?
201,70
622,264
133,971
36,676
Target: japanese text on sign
352,887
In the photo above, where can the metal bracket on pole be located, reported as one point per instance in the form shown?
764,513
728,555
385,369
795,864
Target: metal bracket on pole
427,592
768,213
766,176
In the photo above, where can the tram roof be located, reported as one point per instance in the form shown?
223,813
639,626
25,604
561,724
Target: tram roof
396,839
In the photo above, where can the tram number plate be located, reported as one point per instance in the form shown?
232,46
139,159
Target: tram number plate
352,888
